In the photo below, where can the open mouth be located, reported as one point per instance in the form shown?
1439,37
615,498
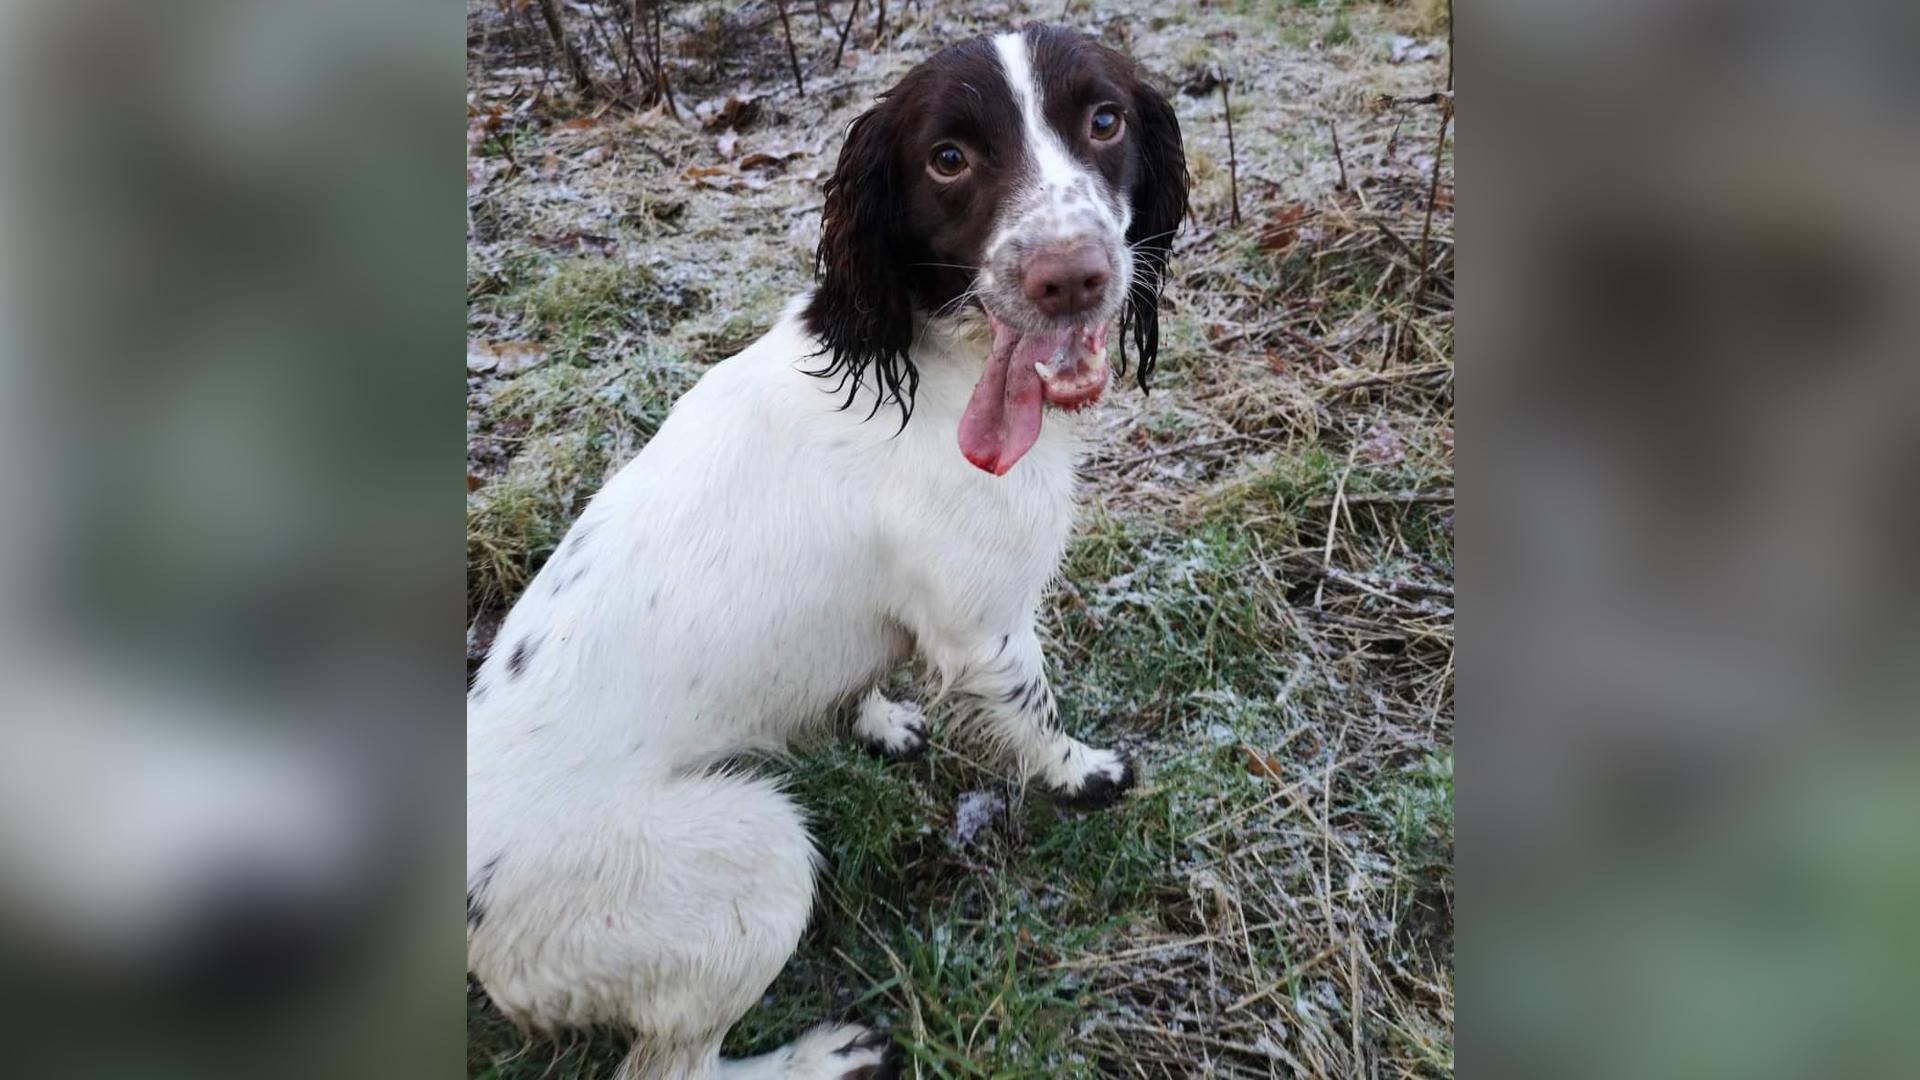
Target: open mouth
1027,371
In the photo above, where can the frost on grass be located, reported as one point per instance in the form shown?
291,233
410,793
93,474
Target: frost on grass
1258,601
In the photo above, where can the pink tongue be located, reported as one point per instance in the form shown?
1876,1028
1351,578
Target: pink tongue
1002,419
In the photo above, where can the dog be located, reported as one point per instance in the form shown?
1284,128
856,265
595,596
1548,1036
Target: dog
891,468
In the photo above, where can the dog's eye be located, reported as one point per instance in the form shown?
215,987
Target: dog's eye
947,161
1105,123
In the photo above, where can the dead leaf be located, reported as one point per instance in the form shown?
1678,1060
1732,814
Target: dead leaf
1201,83
1383,445
578,123
1260,763
504,357
760,159
474,482
738,111
1284,229
579,243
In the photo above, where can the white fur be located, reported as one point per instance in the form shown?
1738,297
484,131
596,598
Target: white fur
766,558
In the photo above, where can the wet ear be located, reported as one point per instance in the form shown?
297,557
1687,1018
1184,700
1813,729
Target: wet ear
1159,205
861,308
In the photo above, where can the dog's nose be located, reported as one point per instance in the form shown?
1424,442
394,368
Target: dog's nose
1066,280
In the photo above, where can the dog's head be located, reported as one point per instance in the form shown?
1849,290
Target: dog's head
1036,175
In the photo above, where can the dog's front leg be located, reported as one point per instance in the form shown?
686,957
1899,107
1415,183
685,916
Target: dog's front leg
1002,687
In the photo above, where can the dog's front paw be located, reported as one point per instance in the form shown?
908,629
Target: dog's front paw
841,1052
1087,778
896,730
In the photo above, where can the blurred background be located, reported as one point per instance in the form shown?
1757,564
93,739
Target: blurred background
230,751
1692,786
230,738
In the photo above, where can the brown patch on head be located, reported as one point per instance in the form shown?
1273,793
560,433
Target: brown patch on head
907,222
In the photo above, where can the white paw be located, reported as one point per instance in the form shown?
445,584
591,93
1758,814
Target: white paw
839,1052
1082,775
893,729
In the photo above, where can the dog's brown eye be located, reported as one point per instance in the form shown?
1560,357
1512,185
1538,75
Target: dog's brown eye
948,161
1105,123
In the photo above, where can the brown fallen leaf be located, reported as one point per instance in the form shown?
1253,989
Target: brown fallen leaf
733,111
504,357
1280,234
1260,763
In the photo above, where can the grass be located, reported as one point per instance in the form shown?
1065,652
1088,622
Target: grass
1257,602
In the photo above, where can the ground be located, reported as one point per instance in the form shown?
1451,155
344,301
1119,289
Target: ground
1258,602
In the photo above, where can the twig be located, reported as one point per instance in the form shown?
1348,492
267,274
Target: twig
1433,193
1389,585
1374,498
1379,591
1233,156
1413,257
880,22
550,11
1128,462
1338,157
1384,378
793,55
840,49
1436,97
1333,524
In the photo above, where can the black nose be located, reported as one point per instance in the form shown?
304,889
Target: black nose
1066,280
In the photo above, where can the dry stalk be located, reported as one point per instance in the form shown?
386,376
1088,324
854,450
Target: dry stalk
793,55
550,11
1433,194
1233,155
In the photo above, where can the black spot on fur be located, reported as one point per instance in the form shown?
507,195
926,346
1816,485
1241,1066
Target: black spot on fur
1099,790
476,894
522,655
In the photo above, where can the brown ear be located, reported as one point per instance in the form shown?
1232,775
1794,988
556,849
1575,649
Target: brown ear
1159,206
861,308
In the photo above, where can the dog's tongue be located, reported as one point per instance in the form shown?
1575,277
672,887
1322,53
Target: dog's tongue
1002,419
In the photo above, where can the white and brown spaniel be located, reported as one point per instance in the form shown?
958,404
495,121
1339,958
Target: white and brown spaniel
775,551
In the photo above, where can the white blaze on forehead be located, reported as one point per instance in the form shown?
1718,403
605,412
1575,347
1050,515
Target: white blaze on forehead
1054,167
1064,193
